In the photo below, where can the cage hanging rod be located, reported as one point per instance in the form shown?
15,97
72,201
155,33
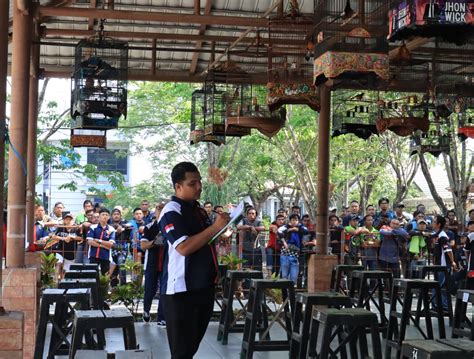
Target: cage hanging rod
243,35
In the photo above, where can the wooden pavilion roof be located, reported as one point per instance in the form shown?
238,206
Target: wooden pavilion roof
176,40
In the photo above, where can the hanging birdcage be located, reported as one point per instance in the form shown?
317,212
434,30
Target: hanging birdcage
252,112
458,108
448,20
343,48
357,117
434,141
99,83
221,94
289,74
404,116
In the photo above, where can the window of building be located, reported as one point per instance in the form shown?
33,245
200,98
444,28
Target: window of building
108,160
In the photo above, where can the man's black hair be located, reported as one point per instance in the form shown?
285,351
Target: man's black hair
136,209
281,210
207,202
369,205
332,216
440,220
178,173
104,210
296,207
279,216
57,204
294,215
451,211
354,201
305,216
472,210
87,201
383,199
469,223
218,206
365,218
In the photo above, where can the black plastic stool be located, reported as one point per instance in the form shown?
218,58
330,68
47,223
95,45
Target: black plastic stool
62,300
91,354
402,292
462,325
350,325
302,322
228,321
92,284
84,266
423,271
338,272
82,274
431,349
87,320
462,344
259,289
133,354
362,293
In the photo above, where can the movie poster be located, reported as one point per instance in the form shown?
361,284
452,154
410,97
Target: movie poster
411,13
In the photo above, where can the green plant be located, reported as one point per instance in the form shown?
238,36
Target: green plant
274,295
48,269
231,261
104,281
131,293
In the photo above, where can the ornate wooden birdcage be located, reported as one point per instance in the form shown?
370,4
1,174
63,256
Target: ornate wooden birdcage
458,108
99,83
252,112
355,115
343,48
404,116
434,141
448,20
289,74
222,91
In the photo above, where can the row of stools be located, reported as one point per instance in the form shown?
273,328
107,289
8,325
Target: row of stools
79,320
302,316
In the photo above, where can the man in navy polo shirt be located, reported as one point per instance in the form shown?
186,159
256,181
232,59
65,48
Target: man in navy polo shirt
190,268
101,238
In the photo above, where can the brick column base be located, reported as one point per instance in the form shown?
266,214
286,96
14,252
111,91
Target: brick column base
21,294
11,335
319,272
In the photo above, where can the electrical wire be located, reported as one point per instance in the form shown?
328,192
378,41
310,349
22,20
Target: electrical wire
15,151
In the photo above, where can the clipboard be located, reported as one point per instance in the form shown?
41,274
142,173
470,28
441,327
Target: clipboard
235,217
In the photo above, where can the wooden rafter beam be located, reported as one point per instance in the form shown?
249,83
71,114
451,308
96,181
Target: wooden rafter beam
197,7
151,16
202,31
164,36
91,22
411,45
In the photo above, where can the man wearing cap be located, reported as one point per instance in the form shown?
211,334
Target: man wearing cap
120,248
417,246
67,236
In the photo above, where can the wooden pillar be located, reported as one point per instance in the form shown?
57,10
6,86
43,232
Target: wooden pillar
31,163
20,71
323,171
321,264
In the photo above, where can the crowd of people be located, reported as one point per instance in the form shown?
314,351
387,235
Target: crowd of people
377,238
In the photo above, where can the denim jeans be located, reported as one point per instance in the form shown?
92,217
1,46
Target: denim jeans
270,253
440,277
289,267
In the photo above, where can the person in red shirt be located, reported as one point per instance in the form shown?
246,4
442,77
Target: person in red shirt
273,246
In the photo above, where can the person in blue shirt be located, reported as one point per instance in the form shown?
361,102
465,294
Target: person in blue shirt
392,239
190,267
101,238
384,203
291,236
138,226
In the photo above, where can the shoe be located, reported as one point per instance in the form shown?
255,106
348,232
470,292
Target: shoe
146,317
162,323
